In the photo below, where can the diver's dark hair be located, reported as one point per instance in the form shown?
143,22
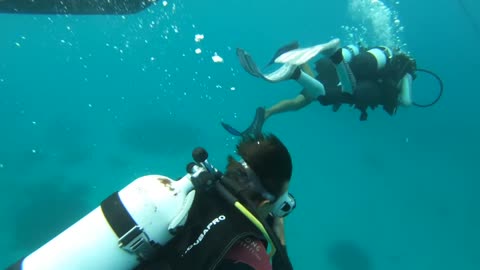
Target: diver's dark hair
268,157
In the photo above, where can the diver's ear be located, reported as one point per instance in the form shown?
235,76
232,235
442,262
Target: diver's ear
264,208
264,202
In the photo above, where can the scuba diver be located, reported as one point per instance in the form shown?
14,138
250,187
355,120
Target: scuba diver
74,7
353,75
205,220
216,235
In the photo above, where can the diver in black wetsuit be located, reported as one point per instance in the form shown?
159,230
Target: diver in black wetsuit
74,7
360,77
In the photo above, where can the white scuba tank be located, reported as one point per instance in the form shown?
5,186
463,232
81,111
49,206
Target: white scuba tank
119,231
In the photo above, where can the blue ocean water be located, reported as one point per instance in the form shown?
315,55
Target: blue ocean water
89,103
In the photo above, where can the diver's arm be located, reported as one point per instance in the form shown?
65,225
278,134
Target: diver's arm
278,225
405,87
279,264
287,105
74,7
404,72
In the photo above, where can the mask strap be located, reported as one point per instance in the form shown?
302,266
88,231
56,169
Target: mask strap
257,185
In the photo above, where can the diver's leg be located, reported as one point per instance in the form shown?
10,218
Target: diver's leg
313,87
288,105
405,86
312,90
262,114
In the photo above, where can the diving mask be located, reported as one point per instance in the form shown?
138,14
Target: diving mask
284,205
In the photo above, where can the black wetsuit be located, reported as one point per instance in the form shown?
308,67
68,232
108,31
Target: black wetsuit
373,88
212,228
74,6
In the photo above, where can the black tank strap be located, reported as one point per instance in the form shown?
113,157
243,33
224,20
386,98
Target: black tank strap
131,236
117,215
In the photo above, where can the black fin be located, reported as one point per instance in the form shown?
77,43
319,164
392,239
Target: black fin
255,127
231,130
246,61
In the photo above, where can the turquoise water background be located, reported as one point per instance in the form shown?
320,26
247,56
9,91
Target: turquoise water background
88,104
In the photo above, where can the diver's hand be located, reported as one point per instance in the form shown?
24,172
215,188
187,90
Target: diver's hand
279,229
